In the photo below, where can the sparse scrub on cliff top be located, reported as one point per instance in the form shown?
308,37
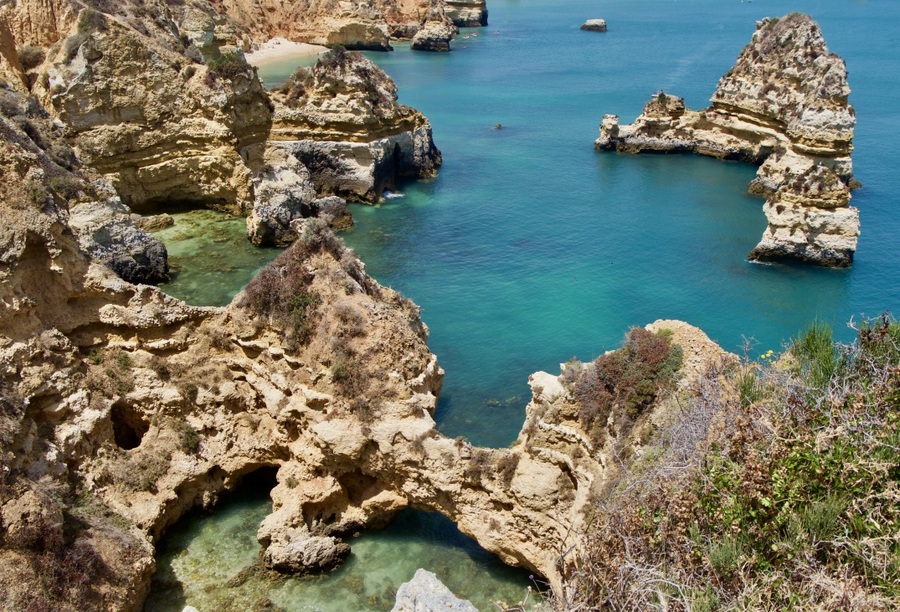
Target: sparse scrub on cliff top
630,378
228,66
281,292
788,501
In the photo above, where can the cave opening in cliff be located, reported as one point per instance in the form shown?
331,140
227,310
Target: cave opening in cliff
257,482
128,426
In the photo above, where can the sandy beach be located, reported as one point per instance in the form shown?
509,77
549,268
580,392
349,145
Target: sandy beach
279,49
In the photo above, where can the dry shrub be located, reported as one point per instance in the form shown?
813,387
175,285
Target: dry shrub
784,499
629,378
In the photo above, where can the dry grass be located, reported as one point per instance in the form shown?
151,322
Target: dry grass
776,487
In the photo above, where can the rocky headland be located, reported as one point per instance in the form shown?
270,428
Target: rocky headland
783,105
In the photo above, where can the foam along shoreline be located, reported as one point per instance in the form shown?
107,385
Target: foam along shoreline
278,49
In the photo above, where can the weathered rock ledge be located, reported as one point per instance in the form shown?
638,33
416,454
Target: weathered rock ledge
341,120
784,105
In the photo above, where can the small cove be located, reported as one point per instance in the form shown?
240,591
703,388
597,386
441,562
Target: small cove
530,247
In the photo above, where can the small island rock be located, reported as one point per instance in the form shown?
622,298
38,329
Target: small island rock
594,25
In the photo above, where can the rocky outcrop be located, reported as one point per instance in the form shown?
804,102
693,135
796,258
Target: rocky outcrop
168,112
355,24
157,126
341,120
435,34
784,105
467,13
107,231
594,25
425,593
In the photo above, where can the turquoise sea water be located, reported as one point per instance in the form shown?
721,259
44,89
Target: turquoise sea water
530,247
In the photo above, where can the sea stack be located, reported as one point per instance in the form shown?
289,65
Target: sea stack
784,105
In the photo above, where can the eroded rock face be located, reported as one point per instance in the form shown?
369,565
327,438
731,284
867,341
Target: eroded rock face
358,24
341,119
354,24
467,13
435,34
159,127
785,105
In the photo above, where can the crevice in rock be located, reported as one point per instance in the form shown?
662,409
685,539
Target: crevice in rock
129,426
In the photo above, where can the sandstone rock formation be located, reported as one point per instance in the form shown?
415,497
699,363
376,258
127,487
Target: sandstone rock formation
425,593
353,24
160,102
341,119
169,131
435,34
467,13
784,104
356,24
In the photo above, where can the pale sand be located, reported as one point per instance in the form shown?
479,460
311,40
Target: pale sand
280,49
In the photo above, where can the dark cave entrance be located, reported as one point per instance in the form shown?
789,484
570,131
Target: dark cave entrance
128,425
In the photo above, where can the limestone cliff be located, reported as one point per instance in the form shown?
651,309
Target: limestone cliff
354,24
341,119
158,126
123,408
159,101
784,105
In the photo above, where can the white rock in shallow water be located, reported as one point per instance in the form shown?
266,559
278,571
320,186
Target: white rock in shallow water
425,593
594,25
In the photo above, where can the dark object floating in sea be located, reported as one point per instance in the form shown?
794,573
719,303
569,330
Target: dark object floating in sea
498,127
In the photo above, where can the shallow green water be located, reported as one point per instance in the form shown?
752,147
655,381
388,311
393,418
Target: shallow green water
210,258
206,562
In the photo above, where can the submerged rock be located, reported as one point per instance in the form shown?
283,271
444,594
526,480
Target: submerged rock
425,593
784,104
298,552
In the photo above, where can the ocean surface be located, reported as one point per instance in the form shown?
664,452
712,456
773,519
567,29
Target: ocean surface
530,247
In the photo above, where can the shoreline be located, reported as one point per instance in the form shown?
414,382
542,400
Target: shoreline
278,49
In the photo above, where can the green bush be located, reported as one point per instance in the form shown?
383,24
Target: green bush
229,66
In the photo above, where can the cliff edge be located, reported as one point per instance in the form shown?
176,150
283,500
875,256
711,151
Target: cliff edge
784,105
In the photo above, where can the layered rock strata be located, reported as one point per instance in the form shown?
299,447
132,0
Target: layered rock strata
170,115
467,13
435,34
784,105
356,24
341,120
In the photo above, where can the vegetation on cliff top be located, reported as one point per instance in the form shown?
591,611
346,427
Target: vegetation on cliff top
776,487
